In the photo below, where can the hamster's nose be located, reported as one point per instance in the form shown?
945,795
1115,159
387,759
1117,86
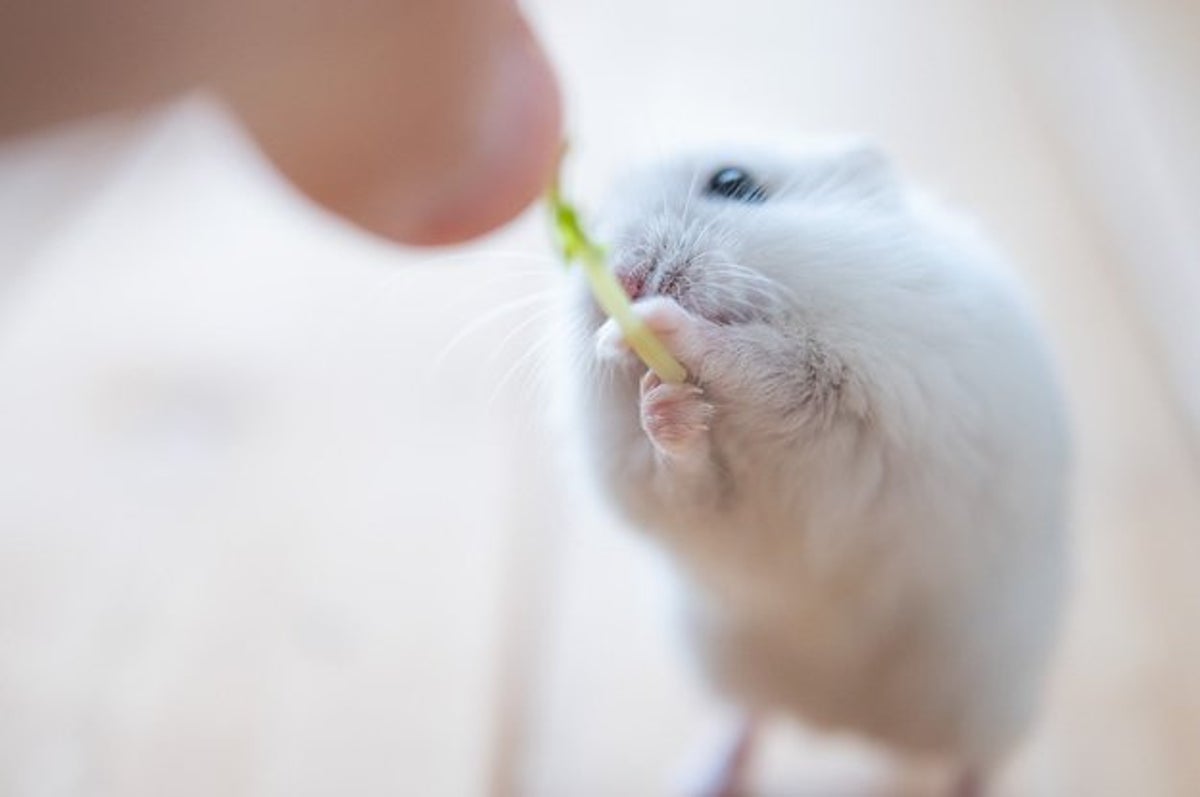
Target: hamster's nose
633,280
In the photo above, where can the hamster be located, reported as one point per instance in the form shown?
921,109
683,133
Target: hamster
863,482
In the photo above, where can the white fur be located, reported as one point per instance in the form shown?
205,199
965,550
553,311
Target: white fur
872,539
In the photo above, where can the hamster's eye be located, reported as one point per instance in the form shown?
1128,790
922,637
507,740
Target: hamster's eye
733,182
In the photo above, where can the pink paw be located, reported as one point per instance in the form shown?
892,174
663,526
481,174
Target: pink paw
665,317
675,417
678,330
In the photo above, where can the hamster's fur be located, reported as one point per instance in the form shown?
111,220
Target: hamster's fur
863,485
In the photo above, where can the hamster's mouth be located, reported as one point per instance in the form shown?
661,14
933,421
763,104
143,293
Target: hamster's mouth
710,285
712,303
680,284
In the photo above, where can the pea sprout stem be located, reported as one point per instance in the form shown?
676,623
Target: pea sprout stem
576,246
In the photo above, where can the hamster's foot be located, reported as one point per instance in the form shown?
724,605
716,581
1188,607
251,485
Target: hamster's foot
722,767
675,417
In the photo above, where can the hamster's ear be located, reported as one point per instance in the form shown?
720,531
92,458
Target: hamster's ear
859,171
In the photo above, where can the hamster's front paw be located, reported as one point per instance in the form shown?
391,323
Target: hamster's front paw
685,335
611,346
677,329
675,417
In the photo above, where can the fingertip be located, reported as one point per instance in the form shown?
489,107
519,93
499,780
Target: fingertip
512,157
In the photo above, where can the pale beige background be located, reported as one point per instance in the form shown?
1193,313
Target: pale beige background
279,511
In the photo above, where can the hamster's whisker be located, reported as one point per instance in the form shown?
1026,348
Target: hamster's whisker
687,202
454,260
541,380
753,288
481,291
753,301
490,317
703,239
536,350
538,316
509,275
698,236
488,254
769,288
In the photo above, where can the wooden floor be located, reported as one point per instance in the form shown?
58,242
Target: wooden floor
282,510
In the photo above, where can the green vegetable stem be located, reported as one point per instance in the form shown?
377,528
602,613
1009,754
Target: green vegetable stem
576,246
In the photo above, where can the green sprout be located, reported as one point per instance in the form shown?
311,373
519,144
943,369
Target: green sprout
576,246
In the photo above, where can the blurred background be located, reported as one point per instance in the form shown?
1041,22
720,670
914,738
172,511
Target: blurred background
280,508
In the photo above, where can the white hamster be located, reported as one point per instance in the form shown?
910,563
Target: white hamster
863,483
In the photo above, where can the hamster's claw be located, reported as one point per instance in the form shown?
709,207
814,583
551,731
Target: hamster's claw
675,417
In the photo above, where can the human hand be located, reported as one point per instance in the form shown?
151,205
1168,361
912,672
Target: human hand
426,121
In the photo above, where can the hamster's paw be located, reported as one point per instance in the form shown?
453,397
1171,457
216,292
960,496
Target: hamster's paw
681,332
675,417
611,346
677,329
